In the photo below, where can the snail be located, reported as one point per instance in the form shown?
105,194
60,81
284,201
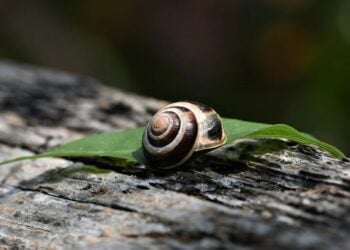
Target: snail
180,130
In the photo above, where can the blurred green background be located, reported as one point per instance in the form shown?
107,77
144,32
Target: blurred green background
273,61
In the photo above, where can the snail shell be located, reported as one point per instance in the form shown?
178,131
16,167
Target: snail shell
179,130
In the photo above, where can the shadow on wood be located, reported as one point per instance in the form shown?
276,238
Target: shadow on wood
267,194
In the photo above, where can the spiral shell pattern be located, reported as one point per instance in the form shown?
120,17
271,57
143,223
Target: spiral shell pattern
170,136
178,130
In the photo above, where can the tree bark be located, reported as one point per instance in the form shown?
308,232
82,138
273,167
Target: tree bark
265,194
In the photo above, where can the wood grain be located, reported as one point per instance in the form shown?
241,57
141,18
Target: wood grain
266,194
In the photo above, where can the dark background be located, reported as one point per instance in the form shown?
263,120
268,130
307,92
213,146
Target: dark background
273,61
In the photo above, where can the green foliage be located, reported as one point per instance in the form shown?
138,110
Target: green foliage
124,146
237,129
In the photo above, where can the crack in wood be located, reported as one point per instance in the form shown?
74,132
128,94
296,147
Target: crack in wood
255,194
43,191
31,227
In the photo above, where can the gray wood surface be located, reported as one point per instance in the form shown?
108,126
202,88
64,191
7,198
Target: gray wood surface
268,194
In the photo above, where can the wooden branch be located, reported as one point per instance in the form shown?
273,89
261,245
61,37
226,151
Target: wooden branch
266,194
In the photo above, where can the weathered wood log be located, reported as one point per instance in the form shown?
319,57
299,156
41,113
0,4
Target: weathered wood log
266,194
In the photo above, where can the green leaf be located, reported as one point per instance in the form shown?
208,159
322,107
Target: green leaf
124,146
236,129
121,146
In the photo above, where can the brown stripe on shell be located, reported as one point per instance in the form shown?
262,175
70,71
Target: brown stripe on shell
201,106
168,138
215,132
182,150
